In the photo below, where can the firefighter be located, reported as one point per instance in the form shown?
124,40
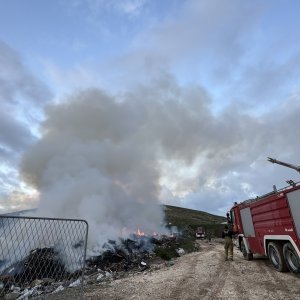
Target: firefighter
227,235
209,236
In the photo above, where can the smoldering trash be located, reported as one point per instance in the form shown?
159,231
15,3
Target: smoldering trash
43,271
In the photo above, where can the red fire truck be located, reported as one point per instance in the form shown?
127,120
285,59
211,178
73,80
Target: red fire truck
270,225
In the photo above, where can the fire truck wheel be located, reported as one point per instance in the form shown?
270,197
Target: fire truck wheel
275,254
291,258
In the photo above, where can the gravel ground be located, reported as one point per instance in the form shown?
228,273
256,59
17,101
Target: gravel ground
199,275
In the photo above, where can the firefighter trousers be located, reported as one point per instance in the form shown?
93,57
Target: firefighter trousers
228,248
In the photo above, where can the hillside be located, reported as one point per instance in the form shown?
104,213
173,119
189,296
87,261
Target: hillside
182,216
190,219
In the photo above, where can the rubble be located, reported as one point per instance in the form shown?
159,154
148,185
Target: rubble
41,272
40,263
12,296
59,289
36,274
180,251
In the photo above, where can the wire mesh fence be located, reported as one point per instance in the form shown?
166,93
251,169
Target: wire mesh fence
39,256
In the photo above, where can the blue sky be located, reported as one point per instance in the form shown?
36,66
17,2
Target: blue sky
212,86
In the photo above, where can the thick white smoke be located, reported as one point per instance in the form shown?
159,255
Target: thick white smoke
99,157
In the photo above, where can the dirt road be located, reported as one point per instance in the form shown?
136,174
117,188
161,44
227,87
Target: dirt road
203,275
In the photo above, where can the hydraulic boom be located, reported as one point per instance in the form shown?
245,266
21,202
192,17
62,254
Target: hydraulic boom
275,161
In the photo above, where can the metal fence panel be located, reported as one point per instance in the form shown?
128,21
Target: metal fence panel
39,256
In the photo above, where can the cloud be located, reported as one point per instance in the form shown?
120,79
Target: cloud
22,98
131,7
221,46
201,40
17,200
17,84
96,7
15,88
238,169
270,80
205,33
224,46
15,137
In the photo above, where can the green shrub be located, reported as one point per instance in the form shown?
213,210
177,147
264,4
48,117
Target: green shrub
166,253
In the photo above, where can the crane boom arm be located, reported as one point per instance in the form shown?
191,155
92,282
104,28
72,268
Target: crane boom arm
275,161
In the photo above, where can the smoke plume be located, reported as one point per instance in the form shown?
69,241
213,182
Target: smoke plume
99,157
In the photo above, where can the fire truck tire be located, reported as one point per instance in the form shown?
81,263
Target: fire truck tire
275,254
291,258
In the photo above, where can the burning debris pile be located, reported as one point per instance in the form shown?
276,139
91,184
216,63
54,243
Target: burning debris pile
130,254
134,255
40,263
42,272
119,259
